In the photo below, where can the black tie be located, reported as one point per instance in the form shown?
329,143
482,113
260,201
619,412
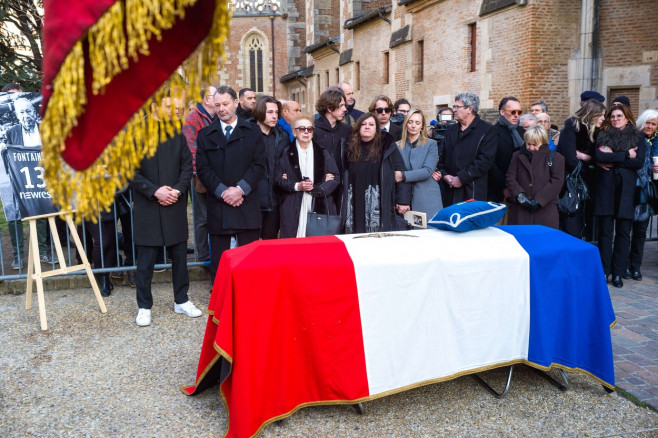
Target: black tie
228,131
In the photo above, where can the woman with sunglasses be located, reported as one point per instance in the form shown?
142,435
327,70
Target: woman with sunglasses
371,195
619,153
577,146
306,175
420,155
646,124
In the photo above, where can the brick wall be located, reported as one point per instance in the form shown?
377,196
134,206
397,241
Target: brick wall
233,71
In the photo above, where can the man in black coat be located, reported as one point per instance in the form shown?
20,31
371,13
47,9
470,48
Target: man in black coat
160,188
276,140
230,162
382,107
470,147
330,133
510,140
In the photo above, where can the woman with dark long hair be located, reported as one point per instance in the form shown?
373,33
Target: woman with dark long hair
371,196
619,153
576,145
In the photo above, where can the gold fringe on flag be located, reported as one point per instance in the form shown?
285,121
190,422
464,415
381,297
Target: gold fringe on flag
123,31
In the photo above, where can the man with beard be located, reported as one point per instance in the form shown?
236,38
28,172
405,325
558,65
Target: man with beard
352,114
247,103
230,162
329,132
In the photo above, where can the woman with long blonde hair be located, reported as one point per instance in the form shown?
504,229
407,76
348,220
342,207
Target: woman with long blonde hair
420,155
577,146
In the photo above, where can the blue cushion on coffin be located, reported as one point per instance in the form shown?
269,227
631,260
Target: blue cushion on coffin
468,215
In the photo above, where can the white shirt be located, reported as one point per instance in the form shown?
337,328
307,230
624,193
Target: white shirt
232,125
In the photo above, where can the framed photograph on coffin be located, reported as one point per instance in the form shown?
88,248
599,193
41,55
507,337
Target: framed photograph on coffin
416,219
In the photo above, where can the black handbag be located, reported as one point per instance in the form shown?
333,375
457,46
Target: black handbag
575,192
318,224
649,195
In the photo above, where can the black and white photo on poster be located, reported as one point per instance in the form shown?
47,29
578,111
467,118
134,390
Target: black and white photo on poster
22,187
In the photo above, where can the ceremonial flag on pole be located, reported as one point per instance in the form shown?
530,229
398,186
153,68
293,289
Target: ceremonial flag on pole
105,63
344,319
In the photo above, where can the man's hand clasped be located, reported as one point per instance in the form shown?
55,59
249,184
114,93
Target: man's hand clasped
167,195
233,196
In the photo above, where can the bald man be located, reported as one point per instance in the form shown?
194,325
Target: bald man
289,111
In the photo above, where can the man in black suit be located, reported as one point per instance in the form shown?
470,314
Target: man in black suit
510,140
230,161
382,107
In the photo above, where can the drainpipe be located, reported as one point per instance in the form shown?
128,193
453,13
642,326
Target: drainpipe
273,60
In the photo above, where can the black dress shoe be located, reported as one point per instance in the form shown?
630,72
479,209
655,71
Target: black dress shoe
627,274
617,281
636,275
103,285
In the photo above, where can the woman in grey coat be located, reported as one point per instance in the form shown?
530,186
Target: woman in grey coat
420,154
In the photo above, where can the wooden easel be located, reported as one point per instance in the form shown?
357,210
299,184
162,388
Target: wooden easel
34,263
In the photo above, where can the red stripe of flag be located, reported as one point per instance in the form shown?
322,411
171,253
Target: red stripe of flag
278,309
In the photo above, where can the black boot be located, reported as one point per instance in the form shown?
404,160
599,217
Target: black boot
102,280
109,282
617,281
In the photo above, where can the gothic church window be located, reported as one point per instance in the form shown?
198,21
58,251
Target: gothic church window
255,48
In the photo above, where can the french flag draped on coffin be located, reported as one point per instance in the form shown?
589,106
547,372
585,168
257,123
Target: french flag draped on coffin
341,319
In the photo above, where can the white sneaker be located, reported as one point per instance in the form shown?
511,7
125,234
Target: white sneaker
143,317
188,308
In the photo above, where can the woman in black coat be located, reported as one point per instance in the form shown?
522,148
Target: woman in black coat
306,176
577,146
371,196
619,154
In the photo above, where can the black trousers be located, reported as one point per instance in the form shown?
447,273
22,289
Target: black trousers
146,256
638,238
221,242
271,223
104,243
614,259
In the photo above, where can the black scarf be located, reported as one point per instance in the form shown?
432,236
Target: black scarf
516,137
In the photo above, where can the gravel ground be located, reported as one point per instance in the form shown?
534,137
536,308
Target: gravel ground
99,375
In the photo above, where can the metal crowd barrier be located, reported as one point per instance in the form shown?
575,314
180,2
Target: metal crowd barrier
120,255
6,257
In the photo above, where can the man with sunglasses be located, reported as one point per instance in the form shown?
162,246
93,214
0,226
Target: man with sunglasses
382,107
510,139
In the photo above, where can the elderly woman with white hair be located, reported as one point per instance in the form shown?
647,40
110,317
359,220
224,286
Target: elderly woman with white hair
646,124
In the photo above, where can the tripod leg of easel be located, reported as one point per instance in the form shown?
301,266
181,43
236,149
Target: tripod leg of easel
56,242
30,279
34,251
85,262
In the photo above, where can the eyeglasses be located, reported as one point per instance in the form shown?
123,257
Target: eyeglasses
401,111
308,129
514,112
456,107
383,110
